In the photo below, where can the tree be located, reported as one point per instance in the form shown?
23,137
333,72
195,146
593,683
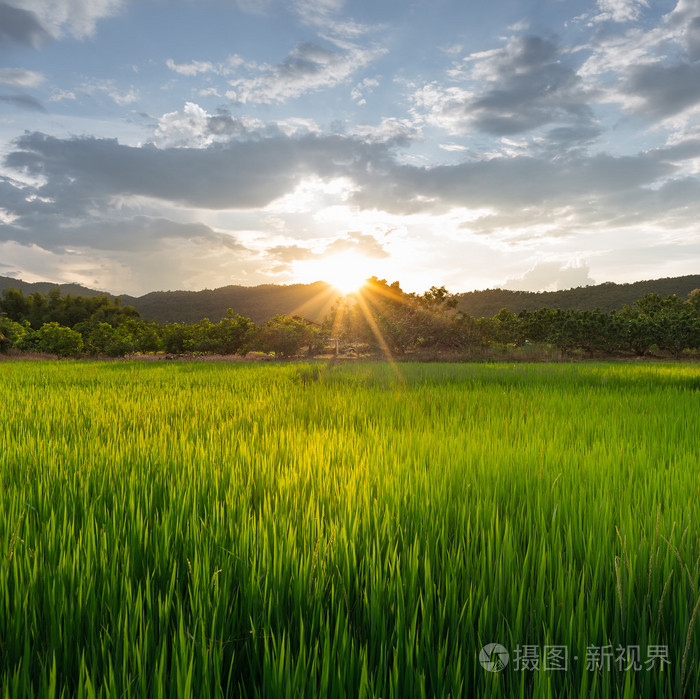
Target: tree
59,340
283,335
232,333
11,333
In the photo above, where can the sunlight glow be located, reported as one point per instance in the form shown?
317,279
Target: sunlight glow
347,272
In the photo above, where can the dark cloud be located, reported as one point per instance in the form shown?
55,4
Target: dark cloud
665,89
20,26
223,124
531,87
307,60
237,175
562,138
510,183
692,38
23,102
523,86
140,233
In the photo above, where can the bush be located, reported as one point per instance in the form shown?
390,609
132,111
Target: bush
11,333
59,340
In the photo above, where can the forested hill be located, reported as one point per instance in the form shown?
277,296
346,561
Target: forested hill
45,287
313,301
259,303
608,296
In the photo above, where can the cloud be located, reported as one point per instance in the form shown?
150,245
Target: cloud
20,26
235,175
167,263
651,72
75,17
692,38
121,97
523,86
231,65
194,127
60,95
191,69
551,276
18,77
23,102
389,131
362,89
323,16
309,67
665,90
283,257
139,233
356,242
619,10
518,199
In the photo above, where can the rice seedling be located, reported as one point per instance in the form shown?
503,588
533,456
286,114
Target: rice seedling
282,530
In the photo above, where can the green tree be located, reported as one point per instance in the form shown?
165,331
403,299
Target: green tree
11,333
232,333
59,340
283,335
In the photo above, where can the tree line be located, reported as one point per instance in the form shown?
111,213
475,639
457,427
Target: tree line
607,296
379,319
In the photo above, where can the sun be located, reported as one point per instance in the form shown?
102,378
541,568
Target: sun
346,272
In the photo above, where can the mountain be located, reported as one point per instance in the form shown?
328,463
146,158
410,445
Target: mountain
607,296
314,301
45,287
259,303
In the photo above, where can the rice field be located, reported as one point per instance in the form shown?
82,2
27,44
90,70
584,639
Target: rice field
298,530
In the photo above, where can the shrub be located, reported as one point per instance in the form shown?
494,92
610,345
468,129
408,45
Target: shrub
59,340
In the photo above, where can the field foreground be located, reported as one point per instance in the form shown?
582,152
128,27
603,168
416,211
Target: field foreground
339,531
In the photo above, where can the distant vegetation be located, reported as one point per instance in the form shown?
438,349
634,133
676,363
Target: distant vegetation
380,320
314,301
606,297
259,303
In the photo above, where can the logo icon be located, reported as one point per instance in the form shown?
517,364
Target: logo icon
493,657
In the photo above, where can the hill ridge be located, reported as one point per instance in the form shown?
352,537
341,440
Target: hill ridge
314,300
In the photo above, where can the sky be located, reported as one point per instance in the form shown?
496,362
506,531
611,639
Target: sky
180,144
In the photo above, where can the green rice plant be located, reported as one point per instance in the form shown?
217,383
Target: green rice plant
195,529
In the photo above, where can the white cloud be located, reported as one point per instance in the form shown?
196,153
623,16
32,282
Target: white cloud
60,95
389,130
362,89
18,77
190,69
120,96
619,10
323,15
308,68
551,276
195,127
